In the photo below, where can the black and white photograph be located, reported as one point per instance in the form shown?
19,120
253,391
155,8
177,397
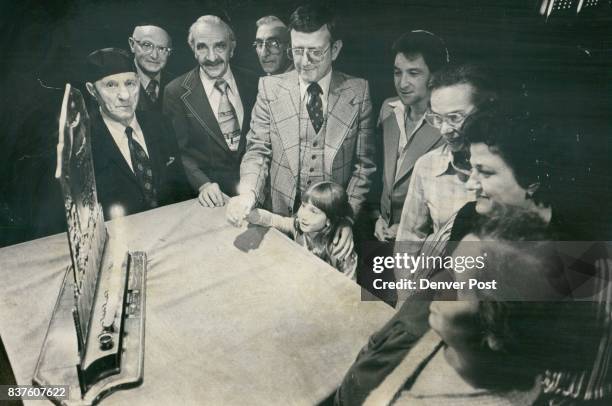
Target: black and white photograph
317,202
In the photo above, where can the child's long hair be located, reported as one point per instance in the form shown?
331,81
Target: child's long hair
331,199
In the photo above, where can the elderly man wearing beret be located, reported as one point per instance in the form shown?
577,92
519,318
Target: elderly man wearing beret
136,159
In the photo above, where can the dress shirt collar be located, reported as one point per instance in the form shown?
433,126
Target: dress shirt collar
144,79
209,84
117,126
443,163
324,82
117,130
400,108
401,115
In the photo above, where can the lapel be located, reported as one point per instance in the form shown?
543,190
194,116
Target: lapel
423,141
340,114
196,101
108,153
285,113
144,103
244,94
391,133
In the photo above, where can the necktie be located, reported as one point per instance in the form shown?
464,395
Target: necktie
152,90
228,122
315,106
142,169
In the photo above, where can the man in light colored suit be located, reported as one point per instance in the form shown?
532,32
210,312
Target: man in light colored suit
405,133
309,125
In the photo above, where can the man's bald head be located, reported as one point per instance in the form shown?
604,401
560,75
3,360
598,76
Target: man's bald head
151,46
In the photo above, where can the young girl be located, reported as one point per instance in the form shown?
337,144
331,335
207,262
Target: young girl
323,207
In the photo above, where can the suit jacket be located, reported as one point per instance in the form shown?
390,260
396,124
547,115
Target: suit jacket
206,156
145,103
115,181
272,160
424,140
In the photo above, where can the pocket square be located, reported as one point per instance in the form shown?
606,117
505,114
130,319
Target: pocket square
170,160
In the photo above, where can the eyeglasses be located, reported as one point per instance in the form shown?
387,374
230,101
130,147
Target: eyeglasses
454,120
148,47
272,45
314,54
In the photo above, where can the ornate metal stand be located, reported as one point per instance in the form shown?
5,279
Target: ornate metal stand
95,340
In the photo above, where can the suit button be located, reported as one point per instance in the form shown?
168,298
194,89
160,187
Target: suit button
311,169
315,144
309,182
290,209
314,157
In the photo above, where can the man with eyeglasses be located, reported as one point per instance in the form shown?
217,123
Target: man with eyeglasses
135,155
406,136
210,107
271,43
437,191
437,188
151,46
309,125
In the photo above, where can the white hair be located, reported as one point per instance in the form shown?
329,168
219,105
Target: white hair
271,20
209,19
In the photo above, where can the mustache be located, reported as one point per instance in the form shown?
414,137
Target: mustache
213,63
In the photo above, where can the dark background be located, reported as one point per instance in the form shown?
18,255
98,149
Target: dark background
557,68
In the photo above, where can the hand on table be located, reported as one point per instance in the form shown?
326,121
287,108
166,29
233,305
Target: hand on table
211,195
239,207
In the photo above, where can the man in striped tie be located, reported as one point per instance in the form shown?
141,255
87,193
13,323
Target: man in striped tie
210,107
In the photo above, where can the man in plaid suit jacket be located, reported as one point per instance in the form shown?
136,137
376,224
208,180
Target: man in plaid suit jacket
308,125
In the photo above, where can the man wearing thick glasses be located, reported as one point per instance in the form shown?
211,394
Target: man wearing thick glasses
437,188
313,124
271,43
151,46
210,107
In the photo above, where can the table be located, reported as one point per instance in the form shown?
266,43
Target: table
233,315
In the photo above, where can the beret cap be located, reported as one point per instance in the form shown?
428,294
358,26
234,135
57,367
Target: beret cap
108,61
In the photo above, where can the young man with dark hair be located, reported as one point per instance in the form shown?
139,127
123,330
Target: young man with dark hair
406,136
